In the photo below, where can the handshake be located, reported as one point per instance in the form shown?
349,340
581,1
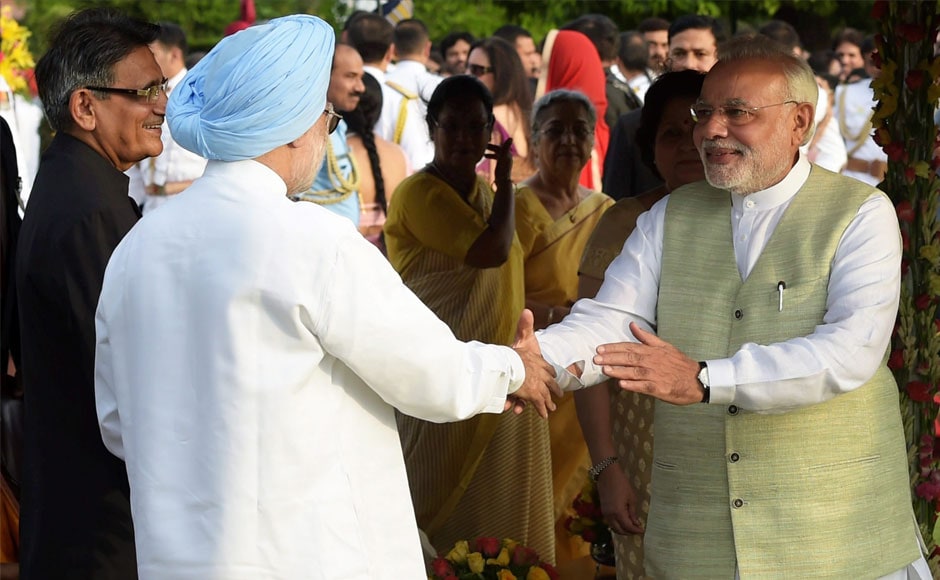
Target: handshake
539,384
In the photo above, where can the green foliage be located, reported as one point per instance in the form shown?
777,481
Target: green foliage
204,20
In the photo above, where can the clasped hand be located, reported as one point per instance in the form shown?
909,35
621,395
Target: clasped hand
539,384
651,367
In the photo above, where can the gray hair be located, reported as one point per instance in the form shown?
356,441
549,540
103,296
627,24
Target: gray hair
83,53
560,96
800,80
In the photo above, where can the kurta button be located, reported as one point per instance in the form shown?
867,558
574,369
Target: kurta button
735,457
738,503
733,410
739,314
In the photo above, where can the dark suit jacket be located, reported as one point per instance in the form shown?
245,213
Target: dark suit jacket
75,520
625,174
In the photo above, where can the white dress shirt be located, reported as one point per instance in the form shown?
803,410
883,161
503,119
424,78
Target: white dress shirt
840,355
250,353
415,139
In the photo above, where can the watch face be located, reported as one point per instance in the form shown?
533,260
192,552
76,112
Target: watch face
703,377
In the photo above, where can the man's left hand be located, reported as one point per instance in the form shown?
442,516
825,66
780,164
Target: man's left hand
652,367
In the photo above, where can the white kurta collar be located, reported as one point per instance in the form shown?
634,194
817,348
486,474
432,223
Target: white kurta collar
249,177
777,194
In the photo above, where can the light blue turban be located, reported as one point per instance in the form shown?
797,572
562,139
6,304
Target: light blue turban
255,91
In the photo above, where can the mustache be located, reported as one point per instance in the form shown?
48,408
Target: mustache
716,144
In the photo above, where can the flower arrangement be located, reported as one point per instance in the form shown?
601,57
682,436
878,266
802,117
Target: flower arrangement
15,59
491,559
907,91
588,520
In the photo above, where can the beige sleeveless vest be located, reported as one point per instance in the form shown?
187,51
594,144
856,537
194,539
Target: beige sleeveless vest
820,492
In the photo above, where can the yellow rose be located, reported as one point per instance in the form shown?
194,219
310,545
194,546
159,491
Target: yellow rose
505,575
503,558
933,281
922,169
930,253
510,544
536,573
887,107
476,562
460,552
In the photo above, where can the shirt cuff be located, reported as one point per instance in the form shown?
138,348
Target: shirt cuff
516,373
721,377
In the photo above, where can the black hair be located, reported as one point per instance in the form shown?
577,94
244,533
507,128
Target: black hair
698,22
510,32
371,35
172,36
411,36
361,121
601,30
451,39
633,52
455,87
782,32
669,86
652,24
83,52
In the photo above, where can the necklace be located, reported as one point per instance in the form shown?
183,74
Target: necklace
342,187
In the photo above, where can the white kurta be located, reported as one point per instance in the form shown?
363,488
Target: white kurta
250,352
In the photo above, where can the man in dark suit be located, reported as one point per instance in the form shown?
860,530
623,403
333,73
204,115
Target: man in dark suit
103,93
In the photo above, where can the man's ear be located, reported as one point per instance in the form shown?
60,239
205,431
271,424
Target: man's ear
82,108
803,122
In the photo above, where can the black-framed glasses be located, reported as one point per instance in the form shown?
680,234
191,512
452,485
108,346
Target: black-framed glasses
733,115
150,94
478,70
332,118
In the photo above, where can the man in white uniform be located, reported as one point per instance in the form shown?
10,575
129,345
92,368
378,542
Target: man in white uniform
413,49
401,120
773,290
251,350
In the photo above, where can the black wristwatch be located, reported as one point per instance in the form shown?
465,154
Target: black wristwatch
704,381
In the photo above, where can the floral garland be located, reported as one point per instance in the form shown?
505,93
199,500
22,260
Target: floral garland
15,58
491,559
907,92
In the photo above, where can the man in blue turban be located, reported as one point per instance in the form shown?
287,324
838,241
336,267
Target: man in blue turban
251,350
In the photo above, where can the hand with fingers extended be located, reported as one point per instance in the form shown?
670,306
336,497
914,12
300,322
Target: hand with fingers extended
619,501
539,384
502,153
652,367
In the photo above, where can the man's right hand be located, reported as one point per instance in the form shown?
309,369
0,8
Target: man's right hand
539,384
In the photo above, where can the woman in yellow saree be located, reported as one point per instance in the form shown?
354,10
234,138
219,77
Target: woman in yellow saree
453,241
555,216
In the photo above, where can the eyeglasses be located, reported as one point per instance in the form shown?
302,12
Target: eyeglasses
732,115
151,94
333,118
478,70
558,131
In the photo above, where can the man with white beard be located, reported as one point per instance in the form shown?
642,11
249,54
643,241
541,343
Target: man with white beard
773,290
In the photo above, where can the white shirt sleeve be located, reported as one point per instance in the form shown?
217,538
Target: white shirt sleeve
370,320
839,356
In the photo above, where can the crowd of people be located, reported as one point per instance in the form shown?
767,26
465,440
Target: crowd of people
320,305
